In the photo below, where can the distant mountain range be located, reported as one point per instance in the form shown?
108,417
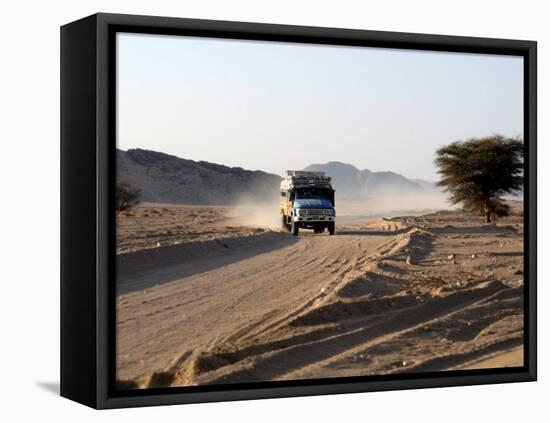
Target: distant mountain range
351,182
164,178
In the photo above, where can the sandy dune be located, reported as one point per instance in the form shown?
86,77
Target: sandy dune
410,294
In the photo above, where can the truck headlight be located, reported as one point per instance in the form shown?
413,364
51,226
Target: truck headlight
301,212
329,212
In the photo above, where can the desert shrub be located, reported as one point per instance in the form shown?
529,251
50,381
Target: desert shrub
127,196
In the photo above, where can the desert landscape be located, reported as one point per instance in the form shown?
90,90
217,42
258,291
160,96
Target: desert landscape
315,212
205,296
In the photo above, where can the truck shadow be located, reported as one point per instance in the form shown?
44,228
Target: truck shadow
143,269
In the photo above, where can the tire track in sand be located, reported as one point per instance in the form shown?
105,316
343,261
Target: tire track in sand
154,326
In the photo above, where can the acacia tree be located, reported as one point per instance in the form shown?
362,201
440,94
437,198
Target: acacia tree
126,195
479,171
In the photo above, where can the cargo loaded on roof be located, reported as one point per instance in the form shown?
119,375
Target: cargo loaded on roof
307,201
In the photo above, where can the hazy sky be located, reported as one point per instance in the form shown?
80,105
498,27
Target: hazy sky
276,106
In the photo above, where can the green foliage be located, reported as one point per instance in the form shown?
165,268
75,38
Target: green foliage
479,171
126,196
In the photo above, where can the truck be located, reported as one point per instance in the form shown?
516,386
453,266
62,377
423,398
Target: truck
307,202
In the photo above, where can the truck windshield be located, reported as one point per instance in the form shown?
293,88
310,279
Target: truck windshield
321,203
312,193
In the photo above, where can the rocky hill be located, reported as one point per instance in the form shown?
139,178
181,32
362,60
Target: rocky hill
163,178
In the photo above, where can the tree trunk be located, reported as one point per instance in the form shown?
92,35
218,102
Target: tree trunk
487,213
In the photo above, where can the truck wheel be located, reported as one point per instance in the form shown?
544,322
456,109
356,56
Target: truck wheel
331,228
294,228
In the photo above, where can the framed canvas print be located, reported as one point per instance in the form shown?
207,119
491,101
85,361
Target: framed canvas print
256,211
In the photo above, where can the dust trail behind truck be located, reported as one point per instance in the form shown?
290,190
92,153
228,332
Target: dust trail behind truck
307,202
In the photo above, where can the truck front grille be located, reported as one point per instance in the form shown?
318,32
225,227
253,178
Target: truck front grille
317,212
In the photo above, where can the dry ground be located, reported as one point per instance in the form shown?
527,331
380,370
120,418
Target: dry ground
150,226
217,302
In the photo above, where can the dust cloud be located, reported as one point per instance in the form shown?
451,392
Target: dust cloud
250,212
266,214
393,204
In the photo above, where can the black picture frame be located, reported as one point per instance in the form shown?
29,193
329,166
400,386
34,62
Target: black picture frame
88,116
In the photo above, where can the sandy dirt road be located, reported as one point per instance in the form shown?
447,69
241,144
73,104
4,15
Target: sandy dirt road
412,294
243,296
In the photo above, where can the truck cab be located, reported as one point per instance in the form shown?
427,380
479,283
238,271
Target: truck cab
307,202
